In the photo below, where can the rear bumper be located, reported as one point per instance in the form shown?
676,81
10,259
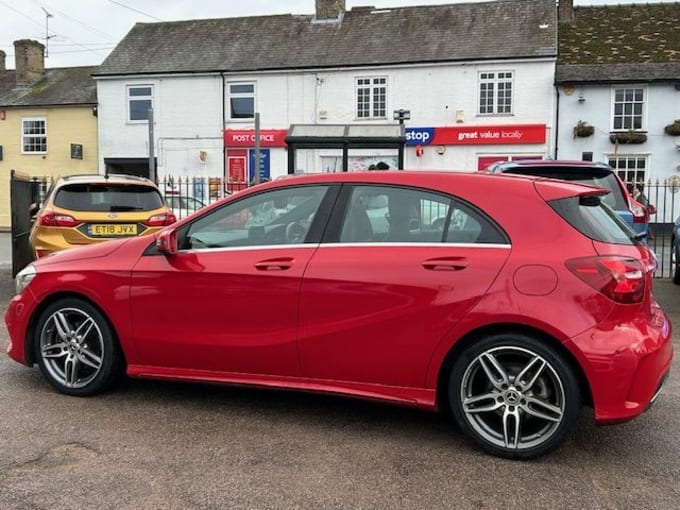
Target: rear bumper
626,364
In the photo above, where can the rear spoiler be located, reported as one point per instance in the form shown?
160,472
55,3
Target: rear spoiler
550,189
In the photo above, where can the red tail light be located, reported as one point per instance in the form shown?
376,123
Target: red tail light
639,213
50,219
161,220
621,279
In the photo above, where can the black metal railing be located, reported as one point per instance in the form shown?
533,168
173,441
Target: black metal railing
662,198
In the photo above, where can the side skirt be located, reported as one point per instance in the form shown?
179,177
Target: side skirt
420,398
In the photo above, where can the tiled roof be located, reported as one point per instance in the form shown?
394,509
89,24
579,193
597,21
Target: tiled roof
364,37
621,34
59,86
612,73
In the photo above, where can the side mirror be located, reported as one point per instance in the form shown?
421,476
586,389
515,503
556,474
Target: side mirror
166,241
651,209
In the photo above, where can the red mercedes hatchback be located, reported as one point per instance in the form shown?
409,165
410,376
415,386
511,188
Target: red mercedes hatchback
433,290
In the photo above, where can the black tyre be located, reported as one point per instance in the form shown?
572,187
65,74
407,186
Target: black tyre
76,349
676,265
514,395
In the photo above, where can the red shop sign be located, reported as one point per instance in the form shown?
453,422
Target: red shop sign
246,137
490,135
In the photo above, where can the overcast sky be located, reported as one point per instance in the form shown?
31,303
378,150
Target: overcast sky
83,32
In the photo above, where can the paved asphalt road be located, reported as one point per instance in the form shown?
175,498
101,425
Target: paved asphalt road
5,251
166,446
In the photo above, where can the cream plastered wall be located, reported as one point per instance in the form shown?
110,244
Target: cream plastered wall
65,126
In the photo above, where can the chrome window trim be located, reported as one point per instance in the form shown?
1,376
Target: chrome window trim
349,245
418,245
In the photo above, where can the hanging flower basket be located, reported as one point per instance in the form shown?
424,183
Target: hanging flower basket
583,129
630,136
673,129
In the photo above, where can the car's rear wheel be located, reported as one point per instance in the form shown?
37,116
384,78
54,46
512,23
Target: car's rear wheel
76,349
514,396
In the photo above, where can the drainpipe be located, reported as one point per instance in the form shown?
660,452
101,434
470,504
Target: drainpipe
224,123
557,119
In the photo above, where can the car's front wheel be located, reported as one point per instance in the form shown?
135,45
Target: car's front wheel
513,395
76,349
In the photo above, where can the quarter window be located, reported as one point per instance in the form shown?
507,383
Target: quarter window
34,135
140,100
495,93
241,101
628,109
371,97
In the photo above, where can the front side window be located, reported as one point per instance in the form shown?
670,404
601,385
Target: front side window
495,93
628,109
34,135
281,216
382,214
241,101
371,97
140,100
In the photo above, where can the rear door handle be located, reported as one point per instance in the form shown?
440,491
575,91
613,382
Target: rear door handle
446,264
276,264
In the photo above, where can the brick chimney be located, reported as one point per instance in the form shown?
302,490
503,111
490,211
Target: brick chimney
2,60
566,11
328,10
29,59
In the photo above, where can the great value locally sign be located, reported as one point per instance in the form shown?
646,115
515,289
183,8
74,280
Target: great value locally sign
477,135
246,137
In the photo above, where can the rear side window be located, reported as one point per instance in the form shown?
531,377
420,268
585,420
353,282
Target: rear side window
104,197
591,176
390,214
594,219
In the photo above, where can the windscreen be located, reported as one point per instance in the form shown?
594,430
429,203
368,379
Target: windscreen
594,219
107,197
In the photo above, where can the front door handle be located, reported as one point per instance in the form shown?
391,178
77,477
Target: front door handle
446,264
275,264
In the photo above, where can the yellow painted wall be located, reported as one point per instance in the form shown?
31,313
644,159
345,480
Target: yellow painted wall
65,125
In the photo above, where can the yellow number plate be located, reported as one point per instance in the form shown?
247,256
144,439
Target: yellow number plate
112,230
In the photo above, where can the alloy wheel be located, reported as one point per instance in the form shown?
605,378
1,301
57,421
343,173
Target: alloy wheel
512,397
71,346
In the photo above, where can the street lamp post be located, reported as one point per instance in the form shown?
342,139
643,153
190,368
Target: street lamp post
401,115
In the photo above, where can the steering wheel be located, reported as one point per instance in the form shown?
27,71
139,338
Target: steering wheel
295,233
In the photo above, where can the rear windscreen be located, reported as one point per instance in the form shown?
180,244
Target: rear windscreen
593,177
594,219
108,197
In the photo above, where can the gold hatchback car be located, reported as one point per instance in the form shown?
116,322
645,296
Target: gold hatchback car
85,209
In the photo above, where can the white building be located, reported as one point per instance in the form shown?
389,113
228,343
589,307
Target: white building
623,80
477,80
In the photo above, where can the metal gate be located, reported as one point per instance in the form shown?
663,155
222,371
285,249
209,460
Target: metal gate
24,191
